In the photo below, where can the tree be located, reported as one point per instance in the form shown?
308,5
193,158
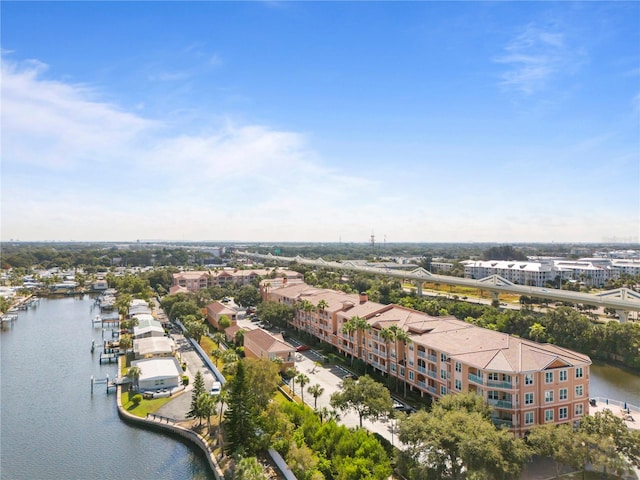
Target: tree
301,460
125,342
223,323
182,309
248,468
195,329
537,331
134,375
404,338
606,425
277,314
198,389
263,376
240,426
361,325
450,443
315,391
348,328
219,338
322,305
247,296
302,379
388,334
366,397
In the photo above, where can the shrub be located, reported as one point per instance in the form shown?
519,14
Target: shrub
185,380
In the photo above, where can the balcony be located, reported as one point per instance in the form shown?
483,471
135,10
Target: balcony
502,385
432,358
422,384
432,374
422,369
499,422
500,403
432,390
422,354
475,379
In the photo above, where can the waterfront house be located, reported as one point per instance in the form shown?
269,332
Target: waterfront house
158,373
153,347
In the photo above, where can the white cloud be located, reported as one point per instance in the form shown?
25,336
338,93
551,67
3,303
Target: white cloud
51,124
534,57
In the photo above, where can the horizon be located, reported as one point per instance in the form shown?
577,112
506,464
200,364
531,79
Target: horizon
322,122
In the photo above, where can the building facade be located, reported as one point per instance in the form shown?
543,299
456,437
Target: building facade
527,383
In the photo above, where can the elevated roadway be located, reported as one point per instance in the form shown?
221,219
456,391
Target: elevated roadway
622,300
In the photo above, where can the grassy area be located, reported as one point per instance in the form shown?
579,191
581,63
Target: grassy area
470,292
145,406
208,346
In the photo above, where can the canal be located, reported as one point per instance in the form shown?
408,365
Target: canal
52,427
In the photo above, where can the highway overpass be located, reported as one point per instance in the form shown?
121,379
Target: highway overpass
623,300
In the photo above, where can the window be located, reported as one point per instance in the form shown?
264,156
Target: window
563,413
548,396
562,394
443,374
563,375
402,371
579,372
410,347
528,379
493,395
443,357
528,398
393,367
458,384
579,390
494,376
411,375
548,377
578,409
548,415
528,418
443,390
458,367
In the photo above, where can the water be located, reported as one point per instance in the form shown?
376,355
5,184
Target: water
614,383
52,427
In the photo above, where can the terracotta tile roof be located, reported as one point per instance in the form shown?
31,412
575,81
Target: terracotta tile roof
267,342
218,308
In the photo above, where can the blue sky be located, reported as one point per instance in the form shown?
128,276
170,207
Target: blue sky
327,121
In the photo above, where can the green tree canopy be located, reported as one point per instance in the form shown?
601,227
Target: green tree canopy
366,397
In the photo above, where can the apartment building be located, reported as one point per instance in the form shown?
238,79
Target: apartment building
527,383
537,274
197,280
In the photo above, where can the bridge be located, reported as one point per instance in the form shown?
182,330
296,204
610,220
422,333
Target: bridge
622,300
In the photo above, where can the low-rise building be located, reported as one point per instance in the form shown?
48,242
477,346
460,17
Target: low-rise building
261,344
158,373
217,310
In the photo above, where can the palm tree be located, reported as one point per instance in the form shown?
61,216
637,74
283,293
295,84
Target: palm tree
403,337
348,328
218,337
134,375
361,325
217,354
306,307
322,304
387,334
537,331
302,379
315,390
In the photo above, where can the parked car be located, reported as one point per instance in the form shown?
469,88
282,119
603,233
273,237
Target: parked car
216,388
302,348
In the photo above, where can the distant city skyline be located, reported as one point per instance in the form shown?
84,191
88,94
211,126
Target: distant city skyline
508,122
